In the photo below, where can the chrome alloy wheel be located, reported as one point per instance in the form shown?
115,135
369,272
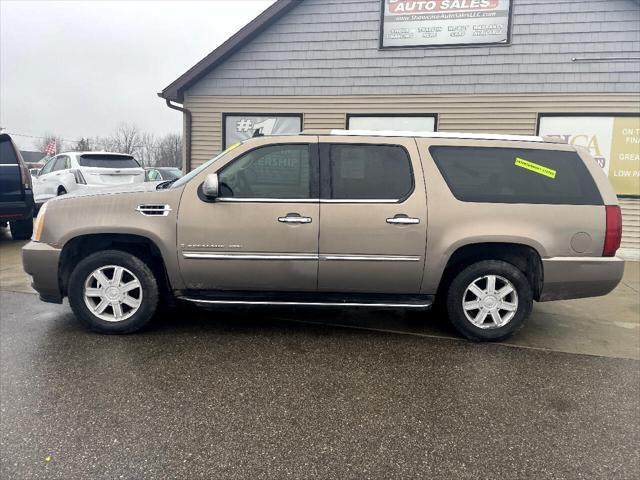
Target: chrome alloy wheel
112,293
490,302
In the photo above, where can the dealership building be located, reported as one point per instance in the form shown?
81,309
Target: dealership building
568,68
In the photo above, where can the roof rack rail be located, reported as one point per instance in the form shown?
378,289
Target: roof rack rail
461,135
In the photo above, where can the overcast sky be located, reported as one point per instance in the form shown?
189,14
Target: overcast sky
79,68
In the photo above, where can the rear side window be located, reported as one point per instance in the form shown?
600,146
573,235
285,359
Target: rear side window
511,175
368,172
7,154
108,161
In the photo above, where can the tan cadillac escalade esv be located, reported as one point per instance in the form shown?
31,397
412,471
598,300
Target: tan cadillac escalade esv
485,224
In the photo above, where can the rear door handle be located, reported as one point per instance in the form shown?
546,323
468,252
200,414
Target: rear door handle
402,219
294,218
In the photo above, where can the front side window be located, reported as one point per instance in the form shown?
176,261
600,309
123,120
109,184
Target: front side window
511,175
275,171
367,172
48,167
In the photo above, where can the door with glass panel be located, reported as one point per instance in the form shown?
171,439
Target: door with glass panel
373,223
262,231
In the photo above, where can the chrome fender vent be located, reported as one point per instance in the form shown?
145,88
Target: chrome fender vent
154,209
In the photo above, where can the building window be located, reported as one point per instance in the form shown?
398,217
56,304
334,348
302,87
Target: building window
237,127
392,122
613,139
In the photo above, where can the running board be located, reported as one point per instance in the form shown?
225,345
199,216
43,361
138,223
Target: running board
317,300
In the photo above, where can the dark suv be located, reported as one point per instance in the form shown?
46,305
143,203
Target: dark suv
16,195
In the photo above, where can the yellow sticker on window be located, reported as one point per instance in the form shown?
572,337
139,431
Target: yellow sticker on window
534,167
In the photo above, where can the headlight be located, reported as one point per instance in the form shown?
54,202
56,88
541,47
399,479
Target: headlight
37,230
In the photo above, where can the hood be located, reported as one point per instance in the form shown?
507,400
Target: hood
132,188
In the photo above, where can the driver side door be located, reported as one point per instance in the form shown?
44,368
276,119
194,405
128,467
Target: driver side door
261,234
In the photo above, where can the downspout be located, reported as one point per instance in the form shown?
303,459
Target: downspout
187,134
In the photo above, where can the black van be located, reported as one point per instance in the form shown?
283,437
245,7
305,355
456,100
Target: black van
16,194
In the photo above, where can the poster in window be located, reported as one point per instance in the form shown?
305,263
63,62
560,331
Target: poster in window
239,127
427,23
614,142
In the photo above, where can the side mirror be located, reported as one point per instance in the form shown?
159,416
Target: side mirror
210,186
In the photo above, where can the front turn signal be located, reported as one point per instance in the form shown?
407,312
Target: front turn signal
37,229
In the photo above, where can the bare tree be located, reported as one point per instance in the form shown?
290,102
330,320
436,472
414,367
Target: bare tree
169,151
83,145
125,139
43,142
146,152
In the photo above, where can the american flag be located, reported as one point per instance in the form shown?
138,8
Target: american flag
51,149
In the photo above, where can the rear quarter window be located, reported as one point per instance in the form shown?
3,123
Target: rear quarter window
511,175
108,161
7,154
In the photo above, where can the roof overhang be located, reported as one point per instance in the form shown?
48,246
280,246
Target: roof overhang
175,91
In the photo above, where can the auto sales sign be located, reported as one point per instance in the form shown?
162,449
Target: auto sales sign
426,23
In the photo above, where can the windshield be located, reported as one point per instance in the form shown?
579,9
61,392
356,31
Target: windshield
193,173
170,173
108,161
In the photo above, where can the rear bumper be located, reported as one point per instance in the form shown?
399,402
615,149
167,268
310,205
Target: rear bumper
19,210
580,277
40,260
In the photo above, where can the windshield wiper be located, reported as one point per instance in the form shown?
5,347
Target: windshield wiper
165,185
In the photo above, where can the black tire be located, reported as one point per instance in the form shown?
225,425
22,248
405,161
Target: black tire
21,229
61,191
149,288
459,285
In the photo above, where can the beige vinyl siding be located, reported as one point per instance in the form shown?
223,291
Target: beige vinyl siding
514,113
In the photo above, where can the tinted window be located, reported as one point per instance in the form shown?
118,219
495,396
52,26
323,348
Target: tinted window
108,161
277,171
507,175
362,172
7,154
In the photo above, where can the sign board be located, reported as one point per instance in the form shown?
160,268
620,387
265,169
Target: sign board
429,23
237,127
613,140
391,122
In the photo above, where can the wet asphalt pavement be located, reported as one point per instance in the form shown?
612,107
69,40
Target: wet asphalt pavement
260,394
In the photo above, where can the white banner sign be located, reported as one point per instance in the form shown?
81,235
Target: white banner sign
239,127
613,141
423,23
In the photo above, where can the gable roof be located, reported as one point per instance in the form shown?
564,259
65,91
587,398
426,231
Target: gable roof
175,91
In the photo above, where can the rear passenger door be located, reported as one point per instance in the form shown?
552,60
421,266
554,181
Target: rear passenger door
373,216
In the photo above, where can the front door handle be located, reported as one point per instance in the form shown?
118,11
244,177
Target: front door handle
402,219
294,218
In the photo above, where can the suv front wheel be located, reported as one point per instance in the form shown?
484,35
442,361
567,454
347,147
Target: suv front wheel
489,300
113,292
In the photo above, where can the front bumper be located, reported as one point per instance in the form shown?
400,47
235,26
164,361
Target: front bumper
580,277
41,260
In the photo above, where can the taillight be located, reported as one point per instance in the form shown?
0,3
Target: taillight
77,174
613,234
25,176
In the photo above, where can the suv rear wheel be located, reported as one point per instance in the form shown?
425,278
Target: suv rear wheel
21,229
489,300
113,292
